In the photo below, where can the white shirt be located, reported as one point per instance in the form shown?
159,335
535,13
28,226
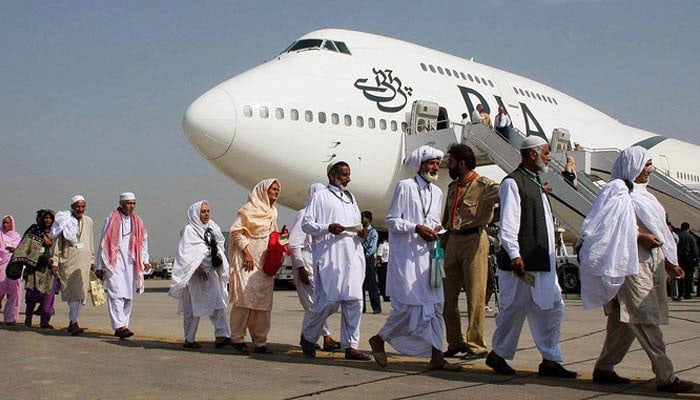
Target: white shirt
339,259
383,251
546,291
476,116
300,243
415,202
121,283
502,120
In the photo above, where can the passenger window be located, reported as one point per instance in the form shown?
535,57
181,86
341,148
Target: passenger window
279,113
470,77
382,124
264,113
538,96
360,122
404,127
370,123
462,75
440,70
423,67
322,117
335,119
432,69
394,126
555,101
248,111
521,92
476,78
455,73
309,116
347,120
448,72
515,90
294,114
490,83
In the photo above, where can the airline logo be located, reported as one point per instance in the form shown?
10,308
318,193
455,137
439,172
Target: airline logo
386,90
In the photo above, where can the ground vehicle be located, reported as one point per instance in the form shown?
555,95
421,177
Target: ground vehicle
164,270
567,266
284,277
150,273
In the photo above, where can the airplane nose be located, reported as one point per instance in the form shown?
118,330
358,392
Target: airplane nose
210,123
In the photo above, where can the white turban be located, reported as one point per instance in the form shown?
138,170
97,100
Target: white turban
76,199
331,165
127,196
531,142
421,154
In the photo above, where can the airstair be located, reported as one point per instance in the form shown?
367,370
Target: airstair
570,204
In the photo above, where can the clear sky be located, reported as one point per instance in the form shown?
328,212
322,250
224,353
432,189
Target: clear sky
92,93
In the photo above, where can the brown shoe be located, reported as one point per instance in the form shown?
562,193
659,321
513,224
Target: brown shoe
357,355
74,329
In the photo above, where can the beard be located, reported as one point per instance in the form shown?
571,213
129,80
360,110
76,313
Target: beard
430,178
340,184
454,173
541,166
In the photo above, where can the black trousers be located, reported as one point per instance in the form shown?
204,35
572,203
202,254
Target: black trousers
381,278
370,285
686,288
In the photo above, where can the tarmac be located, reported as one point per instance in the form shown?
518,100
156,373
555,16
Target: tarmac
51,364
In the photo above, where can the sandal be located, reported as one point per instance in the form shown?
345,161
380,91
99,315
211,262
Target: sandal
445,367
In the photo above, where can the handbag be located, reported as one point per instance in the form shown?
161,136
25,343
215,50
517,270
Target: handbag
97,290
437,265
276,250
14,270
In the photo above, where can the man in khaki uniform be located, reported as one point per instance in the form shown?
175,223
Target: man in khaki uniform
74,254
468,208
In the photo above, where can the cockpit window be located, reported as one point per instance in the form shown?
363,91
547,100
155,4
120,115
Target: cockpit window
342,47
304,44
328,44
309,44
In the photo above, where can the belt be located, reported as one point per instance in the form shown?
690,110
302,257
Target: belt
466,231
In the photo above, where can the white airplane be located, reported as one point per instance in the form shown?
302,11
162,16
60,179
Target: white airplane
345,95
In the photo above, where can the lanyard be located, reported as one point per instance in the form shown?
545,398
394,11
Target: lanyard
340,198
422,202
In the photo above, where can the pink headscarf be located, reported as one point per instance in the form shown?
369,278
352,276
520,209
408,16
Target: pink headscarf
8,238
110,243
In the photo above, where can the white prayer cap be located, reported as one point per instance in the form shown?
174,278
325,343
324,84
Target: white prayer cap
421,154
332,164
76,198
531,142
127,196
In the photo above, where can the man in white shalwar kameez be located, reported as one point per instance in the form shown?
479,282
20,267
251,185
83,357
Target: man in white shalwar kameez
122,258
414,326
527,237
303,268
333,220
200,276
625,248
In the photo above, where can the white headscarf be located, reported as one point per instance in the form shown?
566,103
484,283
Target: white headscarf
609,232
315,187
192,250
421,154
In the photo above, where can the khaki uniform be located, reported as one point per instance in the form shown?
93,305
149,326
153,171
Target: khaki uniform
466,258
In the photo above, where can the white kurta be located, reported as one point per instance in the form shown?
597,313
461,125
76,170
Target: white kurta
546,291
300,249
414,326
121,283
339,259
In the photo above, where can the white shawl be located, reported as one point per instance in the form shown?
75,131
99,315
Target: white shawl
67,224
193,249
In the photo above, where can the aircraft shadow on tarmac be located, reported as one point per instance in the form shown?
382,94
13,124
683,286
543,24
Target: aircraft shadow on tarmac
474,373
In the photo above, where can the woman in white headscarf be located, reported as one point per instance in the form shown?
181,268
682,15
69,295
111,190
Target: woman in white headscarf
626,216
251,287
200,276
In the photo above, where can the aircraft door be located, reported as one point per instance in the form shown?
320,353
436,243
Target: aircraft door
509,101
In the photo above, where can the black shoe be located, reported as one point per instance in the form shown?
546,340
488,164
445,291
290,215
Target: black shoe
377,311
307,347
240,348
471,355
608,377
498,364
555,370
677,386
676,298
192,345
454,351
222,343
262,350
687,297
